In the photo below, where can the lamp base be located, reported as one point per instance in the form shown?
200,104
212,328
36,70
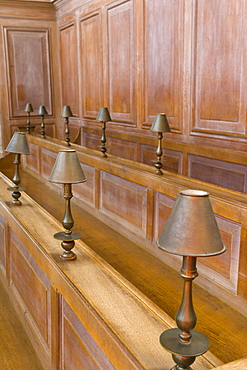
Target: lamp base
68,243
16,195
184,354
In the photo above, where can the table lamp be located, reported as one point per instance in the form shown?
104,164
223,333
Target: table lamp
28,109
17,145
66,113
41,112
191,231
67,171
160,125
103,116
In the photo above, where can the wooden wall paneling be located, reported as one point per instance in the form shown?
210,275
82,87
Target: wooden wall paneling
124,201
163,205
69,67
91,64
32,160
78,348
32,287
163,45
121,68
171,159
2,245
92,141
220,68
226,174
48,158
86,190
225,268
28,52
121,148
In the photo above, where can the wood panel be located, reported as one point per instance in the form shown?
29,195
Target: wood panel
230,175
91,65
122,148
163,58
31,284
220,67
86,190
48,158
32,160
69,68
28,61
92,141
225,268
171,159
124,201
121,68
2,244
78,349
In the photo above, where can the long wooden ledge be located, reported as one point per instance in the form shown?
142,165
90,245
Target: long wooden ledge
121,320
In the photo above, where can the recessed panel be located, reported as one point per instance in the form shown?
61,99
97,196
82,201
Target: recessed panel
220,67
121,61
31,284
69,68
124,201
28,62
91,65
163,85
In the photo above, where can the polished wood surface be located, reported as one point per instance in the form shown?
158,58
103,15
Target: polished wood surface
86,300
148,274
129,197
16,349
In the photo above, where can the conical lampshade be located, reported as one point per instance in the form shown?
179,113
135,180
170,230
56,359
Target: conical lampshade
42,110
67,168
103,115
191,229
18,144
160,123
29,108
66,112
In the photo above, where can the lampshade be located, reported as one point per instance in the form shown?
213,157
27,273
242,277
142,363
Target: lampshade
42,110
103,115
29,108
160,123
18,144
66,112
67,168
191,229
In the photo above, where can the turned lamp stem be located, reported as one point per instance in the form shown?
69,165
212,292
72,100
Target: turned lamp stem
67,132
103,140
68,221
186,317
16,180
159,153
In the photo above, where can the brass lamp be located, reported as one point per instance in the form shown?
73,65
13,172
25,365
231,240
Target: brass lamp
191,231
160,125
66,113
67,170
41,112
28,109
103,116
17,145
